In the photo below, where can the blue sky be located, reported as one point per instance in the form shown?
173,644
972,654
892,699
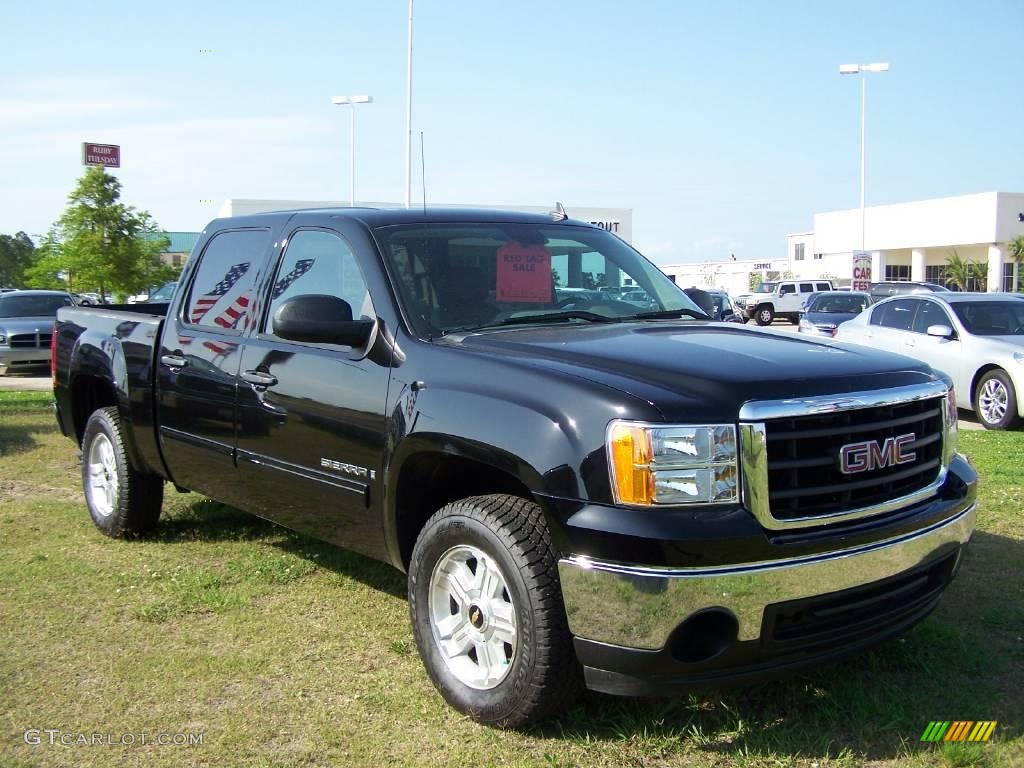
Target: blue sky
724,125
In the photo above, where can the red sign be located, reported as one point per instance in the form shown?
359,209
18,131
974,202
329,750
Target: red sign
861,271
524,273
101,154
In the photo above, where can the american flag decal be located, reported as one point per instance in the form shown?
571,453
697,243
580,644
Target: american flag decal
302,266
209,300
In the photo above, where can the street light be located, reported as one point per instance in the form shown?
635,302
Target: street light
408,116
855,69
351,102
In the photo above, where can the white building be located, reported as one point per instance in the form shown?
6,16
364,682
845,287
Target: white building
616,220
913,241
732,276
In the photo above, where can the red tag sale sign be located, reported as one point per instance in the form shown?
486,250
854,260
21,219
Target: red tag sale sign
524,273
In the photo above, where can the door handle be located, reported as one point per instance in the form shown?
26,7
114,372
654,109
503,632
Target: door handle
260,378
174,361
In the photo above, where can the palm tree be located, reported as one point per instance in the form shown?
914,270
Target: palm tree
960,272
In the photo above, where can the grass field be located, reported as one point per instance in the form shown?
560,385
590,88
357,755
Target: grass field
284,652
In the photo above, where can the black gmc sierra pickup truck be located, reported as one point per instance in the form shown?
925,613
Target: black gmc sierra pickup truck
585,487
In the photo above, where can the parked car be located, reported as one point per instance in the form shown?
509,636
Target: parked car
898,287
781,299
163,293
637,501
977,339
26,324
824,312
724,308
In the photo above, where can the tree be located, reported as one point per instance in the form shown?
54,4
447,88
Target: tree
100,244
17,253
961,272
1017,254
755,280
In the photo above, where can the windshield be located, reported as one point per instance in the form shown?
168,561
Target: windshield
991,318
461,276
765,288
163,293
838,303
32,306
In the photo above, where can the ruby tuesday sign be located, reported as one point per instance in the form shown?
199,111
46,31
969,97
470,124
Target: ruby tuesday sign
101,154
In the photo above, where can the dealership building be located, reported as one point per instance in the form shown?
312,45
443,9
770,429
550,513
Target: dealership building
907,241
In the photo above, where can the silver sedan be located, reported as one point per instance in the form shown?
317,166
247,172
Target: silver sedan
977,339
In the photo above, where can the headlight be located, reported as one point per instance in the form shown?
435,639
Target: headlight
651,464
805,323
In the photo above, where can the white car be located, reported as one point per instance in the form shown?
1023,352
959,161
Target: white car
782,298
977,339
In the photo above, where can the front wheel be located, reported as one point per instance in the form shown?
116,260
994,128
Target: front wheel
764,315
487,612
996,401
122,501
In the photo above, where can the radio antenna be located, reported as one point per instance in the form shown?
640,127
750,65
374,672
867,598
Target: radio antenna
423,174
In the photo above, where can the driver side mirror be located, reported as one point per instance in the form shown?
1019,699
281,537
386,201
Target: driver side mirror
941,331
320,319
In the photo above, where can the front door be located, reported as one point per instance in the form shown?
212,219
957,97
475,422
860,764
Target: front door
312,416
197,366
942,354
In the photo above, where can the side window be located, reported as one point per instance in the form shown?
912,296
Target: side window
806,287
822,287
928,314
221,294
898,315
318,262
787,288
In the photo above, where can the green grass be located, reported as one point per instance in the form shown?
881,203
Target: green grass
16,401
283,651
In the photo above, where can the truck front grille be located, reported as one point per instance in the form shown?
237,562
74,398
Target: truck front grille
814,461
29,340
804,474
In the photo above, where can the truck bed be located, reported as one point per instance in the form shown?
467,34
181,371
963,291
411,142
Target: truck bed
106,355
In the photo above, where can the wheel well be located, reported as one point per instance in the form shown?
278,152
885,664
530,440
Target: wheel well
977,380
428,481
88,394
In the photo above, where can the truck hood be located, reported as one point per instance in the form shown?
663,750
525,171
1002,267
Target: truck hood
685,368
12,325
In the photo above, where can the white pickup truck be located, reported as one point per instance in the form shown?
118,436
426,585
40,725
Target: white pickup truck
781,298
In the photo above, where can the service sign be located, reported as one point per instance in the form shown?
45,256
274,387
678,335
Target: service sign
101,154
861,271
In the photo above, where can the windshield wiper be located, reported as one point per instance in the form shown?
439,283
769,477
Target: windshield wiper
694,313
540,317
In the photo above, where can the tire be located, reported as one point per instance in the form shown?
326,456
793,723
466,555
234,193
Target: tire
530,671
122,501
995,401
764,314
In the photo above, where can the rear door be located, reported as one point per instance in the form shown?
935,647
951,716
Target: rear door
197,367
312,434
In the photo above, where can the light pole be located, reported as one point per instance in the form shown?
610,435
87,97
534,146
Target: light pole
408,117
351,101
854,69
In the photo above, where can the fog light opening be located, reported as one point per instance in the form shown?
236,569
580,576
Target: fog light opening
704,635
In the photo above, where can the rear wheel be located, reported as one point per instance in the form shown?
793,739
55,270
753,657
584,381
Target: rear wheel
487,612
764,315
996,401
122,501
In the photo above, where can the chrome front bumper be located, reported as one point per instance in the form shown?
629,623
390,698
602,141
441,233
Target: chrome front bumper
639,607
29,356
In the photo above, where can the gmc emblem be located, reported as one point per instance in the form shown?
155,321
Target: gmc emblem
870,455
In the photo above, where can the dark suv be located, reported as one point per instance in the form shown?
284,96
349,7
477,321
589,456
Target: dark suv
894,287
